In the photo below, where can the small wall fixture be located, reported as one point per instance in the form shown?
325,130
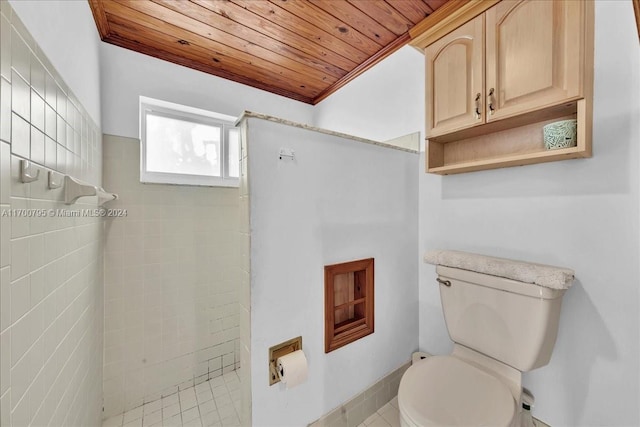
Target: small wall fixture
26,173
348,302
54,180
74,189
286,154
280,350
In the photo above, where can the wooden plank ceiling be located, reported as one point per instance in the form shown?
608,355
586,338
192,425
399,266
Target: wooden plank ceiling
301,49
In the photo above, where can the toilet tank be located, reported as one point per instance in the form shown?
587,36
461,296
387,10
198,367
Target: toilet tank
513,322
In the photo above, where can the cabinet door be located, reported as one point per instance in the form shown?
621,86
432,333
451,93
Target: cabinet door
534,55
455,76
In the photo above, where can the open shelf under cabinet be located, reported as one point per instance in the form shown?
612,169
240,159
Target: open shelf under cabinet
499,144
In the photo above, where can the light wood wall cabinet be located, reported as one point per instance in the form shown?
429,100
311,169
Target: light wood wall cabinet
496,73
455,79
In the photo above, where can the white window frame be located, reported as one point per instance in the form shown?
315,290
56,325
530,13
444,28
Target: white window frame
190,114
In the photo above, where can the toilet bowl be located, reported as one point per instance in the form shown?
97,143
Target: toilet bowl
448,391
503,321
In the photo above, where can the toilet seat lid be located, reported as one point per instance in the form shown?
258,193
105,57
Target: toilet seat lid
445,391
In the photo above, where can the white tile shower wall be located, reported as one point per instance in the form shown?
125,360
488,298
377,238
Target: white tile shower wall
51,294
172,273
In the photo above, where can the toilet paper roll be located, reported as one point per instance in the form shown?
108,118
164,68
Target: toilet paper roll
292,368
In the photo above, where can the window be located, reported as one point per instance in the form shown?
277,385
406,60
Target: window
188,146
348,302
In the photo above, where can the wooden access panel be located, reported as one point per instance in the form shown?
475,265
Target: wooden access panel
534,55
455,76
348,303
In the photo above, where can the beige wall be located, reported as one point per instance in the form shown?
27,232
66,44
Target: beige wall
172,272
51,293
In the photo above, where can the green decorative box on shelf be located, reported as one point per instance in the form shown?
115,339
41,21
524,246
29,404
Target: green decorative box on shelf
560,134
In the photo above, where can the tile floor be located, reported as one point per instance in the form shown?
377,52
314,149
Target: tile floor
217,403
212,403
387,416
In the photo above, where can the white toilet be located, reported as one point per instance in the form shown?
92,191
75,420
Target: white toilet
500,328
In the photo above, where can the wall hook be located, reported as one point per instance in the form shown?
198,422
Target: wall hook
25,172
286,153
53,183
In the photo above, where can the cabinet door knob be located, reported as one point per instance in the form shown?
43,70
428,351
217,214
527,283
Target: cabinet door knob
478,107
491,100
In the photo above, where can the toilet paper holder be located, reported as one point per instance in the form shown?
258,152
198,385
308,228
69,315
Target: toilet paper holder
280,350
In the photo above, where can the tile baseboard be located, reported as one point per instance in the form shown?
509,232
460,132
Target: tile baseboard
360,407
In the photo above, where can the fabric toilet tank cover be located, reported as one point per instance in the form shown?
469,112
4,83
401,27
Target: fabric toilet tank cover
537,274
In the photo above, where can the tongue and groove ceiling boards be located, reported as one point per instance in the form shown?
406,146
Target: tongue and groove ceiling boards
301,49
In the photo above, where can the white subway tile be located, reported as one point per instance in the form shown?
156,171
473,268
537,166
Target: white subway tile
20,297
20,55
5,297
5,361
37,149
20,339
5,409
37,111
20,136
61,131
5,110
61,103
113,386
50,122
50,90
61,159
5,48
36,252
37,286
20,97
36,359
69,134
37,76
50,153
114,404
19,383
20,222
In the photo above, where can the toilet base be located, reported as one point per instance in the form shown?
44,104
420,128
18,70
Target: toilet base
522,419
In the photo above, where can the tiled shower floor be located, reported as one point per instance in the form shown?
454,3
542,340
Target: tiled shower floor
212,403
